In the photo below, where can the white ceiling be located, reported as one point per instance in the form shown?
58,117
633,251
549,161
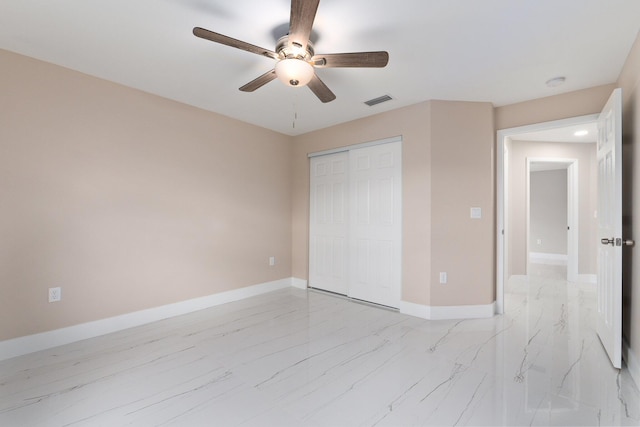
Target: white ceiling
547,166
499,51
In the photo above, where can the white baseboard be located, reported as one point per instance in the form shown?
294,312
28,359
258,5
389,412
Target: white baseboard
549,259
42,341
632,361
416,310
298,283
448,312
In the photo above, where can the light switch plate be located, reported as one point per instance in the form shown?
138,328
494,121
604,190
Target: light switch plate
476,213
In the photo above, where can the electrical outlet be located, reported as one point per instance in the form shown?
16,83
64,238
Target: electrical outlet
272,261
55,294
443,277
539,241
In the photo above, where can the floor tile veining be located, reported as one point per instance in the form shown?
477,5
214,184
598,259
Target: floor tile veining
297,358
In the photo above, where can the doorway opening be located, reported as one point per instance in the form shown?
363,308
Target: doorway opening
552,214
519,148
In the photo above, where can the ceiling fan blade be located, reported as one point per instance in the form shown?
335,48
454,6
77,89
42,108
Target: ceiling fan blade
238,44
259,82
359,59
321,90
303,12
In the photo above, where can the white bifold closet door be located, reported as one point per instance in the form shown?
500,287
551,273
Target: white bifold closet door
355,223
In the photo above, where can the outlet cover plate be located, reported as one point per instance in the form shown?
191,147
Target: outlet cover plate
55,294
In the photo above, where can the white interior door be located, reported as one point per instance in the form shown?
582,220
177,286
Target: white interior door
375,225
609,294
328,223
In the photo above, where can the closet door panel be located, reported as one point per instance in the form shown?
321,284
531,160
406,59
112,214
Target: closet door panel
375,227
328,255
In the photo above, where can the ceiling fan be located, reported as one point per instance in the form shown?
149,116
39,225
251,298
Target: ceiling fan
296,59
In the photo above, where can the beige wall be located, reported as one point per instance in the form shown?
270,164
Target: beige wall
447,168
629,81
548,210
127,200
462,163
587,199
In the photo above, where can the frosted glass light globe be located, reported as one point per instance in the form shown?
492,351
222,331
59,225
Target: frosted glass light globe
294,72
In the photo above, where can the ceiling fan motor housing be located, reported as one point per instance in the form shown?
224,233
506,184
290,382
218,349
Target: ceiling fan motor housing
287,49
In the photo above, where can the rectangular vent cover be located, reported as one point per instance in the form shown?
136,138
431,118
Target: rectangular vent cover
379,100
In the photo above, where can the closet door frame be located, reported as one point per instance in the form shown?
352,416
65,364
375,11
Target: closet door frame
350,269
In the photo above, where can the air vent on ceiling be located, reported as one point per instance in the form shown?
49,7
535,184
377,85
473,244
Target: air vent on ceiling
379,100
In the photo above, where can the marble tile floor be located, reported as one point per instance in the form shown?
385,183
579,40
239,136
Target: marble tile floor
303,358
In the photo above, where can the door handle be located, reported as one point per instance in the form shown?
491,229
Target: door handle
617,242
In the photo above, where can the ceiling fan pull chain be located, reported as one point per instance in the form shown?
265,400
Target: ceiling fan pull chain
295,110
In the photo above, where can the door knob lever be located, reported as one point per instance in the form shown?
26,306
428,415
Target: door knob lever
617,242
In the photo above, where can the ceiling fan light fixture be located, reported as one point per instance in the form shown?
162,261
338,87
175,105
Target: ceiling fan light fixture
294,72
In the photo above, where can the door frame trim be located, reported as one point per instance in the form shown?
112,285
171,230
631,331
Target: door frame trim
501,213
356,146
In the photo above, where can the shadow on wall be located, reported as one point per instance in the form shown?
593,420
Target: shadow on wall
628,167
